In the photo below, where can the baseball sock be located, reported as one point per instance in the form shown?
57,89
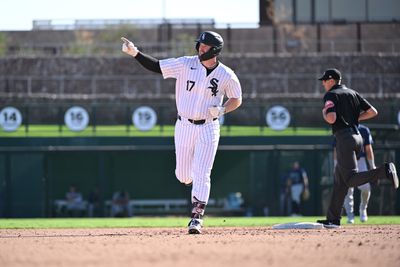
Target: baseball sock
198,209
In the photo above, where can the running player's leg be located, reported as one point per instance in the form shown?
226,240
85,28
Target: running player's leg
349,205
349,199
365,190
204,155
364,199
184,150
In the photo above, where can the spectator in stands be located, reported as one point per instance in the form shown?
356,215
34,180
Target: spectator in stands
120,204
75,203
95,203
297,181
285,197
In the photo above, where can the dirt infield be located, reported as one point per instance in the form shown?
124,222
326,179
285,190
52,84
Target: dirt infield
348,246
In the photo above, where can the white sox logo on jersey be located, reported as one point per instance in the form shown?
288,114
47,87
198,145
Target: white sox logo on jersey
214,86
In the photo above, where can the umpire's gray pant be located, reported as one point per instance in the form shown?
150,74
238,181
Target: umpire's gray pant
348,144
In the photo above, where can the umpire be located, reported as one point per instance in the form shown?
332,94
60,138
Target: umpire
343,109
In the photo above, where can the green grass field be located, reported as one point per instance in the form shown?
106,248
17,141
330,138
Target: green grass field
148,222
167,130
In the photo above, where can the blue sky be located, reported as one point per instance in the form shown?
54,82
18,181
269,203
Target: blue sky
19,14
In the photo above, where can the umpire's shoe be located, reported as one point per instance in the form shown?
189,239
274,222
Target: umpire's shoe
195,226
331,224
391,174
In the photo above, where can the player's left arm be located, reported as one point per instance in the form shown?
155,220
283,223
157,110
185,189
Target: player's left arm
232,103
234,93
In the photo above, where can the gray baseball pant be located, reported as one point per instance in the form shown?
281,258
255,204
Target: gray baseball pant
348,144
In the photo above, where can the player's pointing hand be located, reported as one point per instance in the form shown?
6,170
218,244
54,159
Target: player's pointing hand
129,48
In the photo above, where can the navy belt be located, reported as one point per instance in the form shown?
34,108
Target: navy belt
197,122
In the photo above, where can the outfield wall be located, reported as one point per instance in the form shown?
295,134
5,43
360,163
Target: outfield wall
36,171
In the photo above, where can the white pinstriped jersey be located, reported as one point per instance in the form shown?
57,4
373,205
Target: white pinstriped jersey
195,91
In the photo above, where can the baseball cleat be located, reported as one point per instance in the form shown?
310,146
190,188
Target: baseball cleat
330,224
350,219
363,215
195,226
391,174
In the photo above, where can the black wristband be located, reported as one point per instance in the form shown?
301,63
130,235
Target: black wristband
148,62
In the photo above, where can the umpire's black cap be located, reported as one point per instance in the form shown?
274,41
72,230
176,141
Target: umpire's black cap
331,74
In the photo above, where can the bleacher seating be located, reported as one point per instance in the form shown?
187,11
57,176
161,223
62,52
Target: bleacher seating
172,39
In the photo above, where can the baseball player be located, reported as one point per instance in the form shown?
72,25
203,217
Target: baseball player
366,154
343,109
297,180
202,81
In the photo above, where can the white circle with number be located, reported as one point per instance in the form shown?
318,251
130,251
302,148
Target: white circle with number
76,118
278,118
144,118
10,119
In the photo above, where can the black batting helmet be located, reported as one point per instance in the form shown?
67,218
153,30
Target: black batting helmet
212,39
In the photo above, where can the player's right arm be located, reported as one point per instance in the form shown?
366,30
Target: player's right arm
146,61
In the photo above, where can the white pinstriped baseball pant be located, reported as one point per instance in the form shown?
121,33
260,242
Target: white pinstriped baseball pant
364,188
195,149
